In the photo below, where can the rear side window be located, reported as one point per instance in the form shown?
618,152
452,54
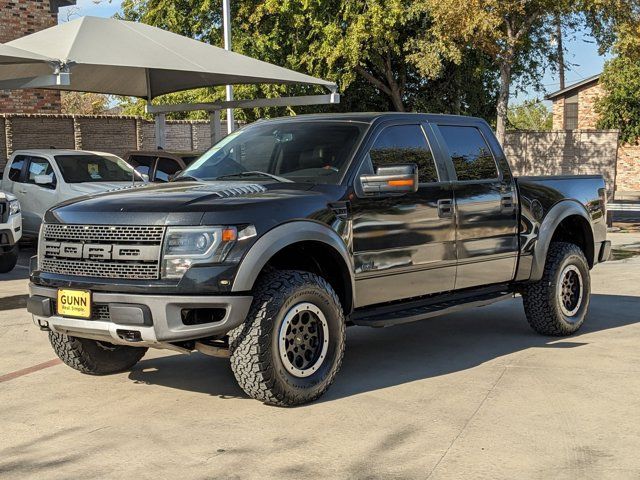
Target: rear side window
405,144
165,168
16,168
469,152
141,163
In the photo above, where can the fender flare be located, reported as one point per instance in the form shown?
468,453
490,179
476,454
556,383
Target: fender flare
556,215
282,236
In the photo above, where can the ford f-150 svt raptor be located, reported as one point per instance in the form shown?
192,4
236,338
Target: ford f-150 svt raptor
289,230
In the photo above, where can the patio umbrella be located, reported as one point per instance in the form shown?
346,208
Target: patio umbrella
15,56
105,55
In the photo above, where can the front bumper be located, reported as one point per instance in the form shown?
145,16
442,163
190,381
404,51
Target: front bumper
140,320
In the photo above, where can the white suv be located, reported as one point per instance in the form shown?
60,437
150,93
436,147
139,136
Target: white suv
41,179
10,231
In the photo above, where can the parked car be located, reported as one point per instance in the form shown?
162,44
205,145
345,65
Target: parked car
160,165
284,233
41,179
10,231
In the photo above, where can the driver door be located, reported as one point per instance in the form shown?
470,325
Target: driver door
36,199
404,246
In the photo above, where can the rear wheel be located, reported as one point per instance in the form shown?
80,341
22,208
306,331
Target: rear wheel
8,259
290,348
557,304
94,357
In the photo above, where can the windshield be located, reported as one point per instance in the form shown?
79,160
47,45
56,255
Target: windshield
315,152
94,168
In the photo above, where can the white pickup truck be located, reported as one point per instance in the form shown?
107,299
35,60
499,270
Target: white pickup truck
41,179
10,231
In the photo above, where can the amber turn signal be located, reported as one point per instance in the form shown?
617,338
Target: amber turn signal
400,183
229,234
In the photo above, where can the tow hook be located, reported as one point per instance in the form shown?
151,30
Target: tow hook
43,325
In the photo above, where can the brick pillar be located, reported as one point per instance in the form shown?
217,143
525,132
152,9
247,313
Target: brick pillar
77,133
8,132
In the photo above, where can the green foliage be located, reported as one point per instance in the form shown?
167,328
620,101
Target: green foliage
529,115
619,108
363,46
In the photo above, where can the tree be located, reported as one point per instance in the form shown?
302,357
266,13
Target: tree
619,108
364,46
529,115
515,34
78,103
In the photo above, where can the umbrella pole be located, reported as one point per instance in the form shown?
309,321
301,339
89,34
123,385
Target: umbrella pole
160,121
226,25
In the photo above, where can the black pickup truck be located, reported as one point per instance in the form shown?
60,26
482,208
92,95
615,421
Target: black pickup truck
287,231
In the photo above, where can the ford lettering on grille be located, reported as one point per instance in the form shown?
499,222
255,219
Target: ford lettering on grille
129,252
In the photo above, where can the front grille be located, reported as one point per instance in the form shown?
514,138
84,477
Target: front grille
100,269
104,233
101,251
4,209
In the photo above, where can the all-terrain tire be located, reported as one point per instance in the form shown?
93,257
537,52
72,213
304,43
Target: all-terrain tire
542,301
93,357
257,359
8,260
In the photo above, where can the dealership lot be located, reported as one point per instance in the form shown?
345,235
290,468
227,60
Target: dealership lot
470,395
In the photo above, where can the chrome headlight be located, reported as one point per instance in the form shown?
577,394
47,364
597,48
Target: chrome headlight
14,207
187,246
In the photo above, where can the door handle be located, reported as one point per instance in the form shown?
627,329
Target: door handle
445,208
506,201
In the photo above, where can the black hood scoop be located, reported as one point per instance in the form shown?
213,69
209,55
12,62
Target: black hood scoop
223,190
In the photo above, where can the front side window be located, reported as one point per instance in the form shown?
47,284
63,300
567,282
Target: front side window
16,168
405,144
471,156
39,167
311,152
94,168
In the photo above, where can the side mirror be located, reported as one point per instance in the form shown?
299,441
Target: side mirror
43,180
391,179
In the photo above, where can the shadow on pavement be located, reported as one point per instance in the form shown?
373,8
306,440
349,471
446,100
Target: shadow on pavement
381,358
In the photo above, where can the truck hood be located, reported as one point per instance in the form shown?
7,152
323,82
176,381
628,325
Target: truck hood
196,203
92,188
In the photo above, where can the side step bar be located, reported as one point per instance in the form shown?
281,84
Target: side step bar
384,316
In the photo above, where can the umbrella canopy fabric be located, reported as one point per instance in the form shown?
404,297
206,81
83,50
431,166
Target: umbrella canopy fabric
112,56
14,56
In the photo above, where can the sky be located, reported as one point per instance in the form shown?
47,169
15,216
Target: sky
582,53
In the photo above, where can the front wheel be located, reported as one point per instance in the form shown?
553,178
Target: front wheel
290,347
8,259
557,304
94,357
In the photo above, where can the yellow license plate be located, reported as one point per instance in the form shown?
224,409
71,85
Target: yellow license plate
74,303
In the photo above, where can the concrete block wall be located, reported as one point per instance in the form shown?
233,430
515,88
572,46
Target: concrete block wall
113,134
564,153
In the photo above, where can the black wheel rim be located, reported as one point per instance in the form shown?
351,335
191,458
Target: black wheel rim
570,290
303,339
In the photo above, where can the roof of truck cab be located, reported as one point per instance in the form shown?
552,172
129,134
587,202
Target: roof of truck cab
58,151
371,117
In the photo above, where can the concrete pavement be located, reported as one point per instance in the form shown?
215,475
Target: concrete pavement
471,395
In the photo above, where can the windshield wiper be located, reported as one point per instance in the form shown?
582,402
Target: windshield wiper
185,178
251,173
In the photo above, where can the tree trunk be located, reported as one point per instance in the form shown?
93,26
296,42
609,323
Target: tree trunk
560,50
503,97
396,98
